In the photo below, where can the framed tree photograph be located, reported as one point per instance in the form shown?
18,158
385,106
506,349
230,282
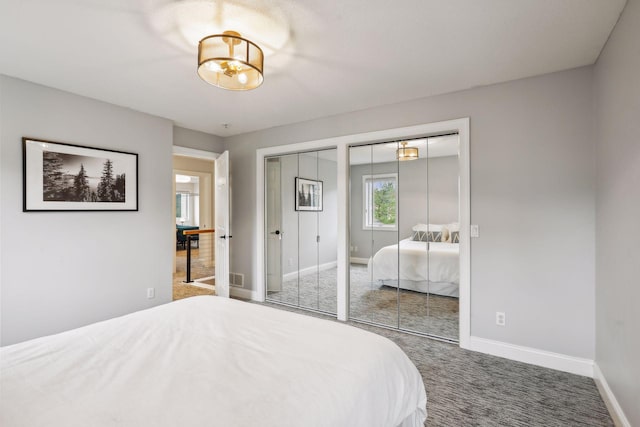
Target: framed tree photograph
67,177
308,195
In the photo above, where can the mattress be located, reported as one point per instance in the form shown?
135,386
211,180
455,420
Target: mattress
210,361
436,270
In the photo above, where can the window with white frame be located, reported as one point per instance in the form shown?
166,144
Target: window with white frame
380,202
183,213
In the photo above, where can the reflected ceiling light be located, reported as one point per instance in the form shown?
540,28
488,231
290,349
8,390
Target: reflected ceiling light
229,61
182,179
406,153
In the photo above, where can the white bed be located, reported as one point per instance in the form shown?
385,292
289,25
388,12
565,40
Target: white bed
436,271
210,361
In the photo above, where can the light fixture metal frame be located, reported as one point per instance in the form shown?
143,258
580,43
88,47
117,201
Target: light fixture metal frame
246,61
401,153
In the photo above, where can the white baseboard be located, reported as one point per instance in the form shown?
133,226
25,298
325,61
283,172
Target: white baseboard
356,260
243,293
310,270
615,410
533,356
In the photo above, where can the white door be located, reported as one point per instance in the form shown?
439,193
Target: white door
222,231
274,226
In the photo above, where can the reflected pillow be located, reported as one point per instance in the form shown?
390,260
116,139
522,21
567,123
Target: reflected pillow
427,236
455,237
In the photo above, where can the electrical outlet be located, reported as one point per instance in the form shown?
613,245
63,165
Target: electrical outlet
290,262
500,318
475,230
151,293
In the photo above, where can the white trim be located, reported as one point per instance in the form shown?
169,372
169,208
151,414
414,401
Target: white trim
356,260
533,356
310,270
258,265
615,410
243,293
342,144
192,152
342,291
464,169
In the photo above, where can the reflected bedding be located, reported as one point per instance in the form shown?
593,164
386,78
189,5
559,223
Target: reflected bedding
435,271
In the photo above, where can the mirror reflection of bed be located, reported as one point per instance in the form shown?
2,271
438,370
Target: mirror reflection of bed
427,262
404,270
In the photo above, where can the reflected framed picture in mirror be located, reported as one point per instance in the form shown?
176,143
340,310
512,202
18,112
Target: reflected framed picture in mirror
308,195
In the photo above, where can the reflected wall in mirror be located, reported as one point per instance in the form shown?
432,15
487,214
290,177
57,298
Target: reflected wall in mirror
404,270
300,254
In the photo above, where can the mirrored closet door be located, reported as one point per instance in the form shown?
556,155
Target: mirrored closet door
404,269
301,232
373,227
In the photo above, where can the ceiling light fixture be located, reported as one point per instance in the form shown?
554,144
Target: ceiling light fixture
230,61
406,153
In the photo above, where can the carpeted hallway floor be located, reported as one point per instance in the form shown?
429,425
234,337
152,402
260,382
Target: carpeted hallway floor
466,388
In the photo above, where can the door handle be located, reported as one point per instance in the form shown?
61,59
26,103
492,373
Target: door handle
277,233
224,236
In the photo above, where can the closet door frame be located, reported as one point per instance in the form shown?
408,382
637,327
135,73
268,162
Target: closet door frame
342,143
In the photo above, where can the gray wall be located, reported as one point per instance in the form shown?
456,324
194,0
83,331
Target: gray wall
189,138
440,178
532,193
617,82
299,247
61,270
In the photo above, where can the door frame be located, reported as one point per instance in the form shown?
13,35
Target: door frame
342,143
196,154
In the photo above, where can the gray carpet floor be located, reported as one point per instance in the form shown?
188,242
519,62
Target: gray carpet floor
466,388
371,302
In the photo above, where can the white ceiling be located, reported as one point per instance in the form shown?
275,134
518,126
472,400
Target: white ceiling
342,56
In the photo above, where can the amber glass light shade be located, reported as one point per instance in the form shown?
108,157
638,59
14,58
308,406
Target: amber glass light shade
406,153
230,61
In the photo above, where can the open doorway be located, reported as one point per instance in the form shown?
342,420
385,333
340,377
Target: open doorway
193,210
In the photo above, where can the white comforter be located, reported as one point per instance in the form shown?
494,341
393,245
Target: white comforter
440,264
210,361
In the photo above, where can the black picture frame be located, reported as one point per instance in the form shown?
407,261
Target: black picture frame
60,176
309,195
